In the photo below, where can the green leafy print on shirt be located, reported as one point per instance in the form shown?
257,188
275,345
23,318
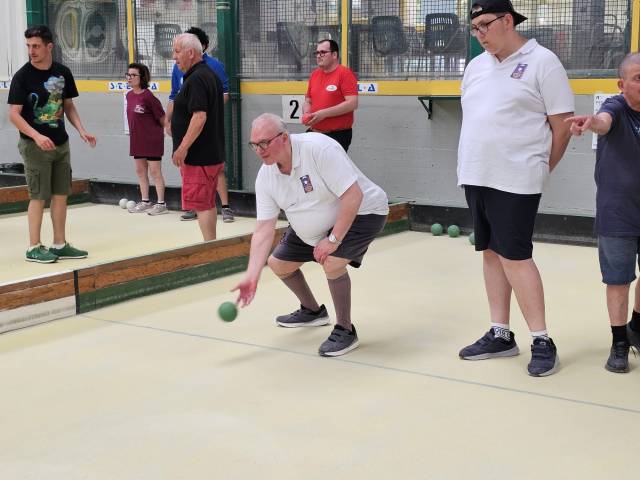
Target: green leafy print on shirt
51,112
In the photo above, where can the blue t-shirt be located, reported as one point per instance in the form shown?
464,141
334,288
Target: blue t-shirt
213,63
617,172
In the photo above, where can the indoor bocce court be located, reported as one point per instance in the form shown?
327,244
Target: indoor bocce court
131,363
160,387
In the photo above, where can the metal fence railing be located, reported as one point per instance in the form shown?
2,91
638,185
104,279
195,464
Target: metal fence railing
157,22
278,37
90,36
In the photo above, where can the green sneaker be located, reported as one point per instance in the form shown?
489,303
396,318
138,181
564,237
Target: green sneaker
41,254
68,252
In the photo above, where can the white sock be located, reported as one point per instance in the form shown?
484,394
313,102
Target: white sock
33,247
540,333
501,330
55,245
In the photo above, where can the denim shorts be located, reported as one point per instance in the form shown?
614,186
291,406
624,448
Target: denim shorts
618,258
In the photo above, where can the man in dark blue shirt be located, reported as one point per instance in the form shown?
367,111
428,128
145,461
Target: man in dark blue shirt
617,178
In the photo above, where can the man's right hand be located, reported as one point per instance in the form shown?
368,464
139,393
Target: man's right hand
45,143
167,128
247,288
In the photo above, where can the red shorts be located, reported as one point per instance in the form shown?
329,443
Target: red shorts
199,185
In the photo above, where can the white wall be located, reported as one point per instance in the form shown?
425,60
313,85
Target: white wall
13,23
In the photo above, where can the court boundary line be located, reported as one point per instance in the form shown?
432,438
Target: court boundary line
372,365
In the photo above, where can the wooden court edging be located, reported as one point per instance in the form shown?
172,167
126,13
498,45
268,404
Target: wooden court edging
42,299
16,199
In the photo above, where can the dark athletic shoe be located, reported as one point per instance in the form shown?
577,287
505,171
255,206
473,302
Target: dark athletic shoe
490,346
303,317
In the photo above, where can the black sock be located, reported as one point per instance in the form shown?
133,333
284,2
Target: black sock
634,324
159,203
619,333
224,206
145,201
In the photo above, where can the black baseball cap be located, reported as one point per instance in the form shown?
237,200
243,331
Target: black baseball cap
480,7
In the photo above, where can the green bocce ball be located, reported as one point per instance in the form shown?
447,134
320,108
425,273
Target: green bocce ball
228,311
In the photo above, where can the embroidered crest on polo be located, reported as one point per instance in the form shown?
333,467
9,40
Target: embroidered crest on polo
306,184
519,71
331,88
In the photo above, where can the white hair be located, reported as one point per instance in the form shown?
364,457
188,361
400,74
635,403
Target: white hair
189,41
270,118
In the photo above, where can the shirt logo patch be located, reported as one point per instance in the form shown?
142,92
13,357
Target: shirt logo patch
139,108
331,88
306,184
519,71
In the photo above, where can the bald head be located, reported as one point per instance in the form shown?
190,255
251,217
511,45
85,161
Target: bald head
269,121
629,60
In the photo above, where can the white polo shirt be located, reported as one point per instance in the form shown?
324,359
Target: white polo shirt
505,140
321,172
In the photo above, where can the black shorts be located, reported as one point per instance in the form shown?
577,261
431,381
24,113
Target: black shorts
363,231
151,159
503,221
343,137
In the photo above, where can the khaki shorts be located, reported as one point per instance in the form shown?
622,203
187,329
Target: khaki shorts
47,172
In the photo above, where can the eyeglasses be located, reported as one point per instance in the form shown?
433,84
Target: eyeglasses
483,28
131,75
321,53
264,144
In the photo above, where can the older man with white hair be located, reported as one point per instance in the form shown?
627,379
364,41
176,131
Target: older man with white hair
197,128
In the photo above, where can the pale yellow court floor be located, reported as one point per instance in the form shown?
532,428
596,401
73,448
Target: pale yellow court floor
159,388
107,232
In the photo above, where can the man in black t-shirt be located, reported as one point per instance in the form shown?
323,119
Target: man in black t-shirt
197,129
618,205
40,95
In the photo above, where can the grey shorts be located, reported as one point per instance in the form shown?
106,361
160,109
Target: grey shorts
363,231
618,259
47,172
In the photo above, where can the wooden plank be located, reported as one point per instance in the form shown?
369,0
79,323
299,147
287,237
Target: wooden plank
398,211
20,193
113,273
25,293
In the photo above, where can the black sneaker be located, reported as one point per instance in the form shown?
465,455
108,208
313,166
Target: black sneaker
544,357
490,346
618,361
303,317
634,337
340,341
189,215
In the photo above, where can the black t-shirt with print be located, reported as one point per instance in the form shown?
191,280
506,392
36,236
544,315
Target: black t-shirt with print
41,94
201,91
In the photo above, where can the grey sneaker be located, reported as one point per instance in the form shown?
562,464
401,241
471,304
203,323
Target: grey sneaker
40,254
188,215
158,209
634,337
340,341
490,346
303,317
544,357
618,361
141,207
227,215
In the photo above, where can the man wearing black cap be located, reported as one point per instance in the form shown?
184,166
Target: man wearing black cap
515,97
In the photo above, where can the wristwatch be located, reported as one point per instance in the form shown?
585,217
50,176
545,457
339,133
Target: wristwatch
332,238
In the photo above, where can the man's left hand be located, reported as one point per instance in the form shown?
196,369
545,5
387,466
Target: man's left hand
88,138
179,156
323,249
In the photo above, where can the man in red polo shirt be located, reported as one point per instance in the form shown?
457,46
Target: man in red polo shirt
332,96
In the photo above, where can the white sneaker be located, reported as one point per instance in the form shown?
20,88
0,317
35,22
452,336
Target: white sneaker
141,207
158,209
